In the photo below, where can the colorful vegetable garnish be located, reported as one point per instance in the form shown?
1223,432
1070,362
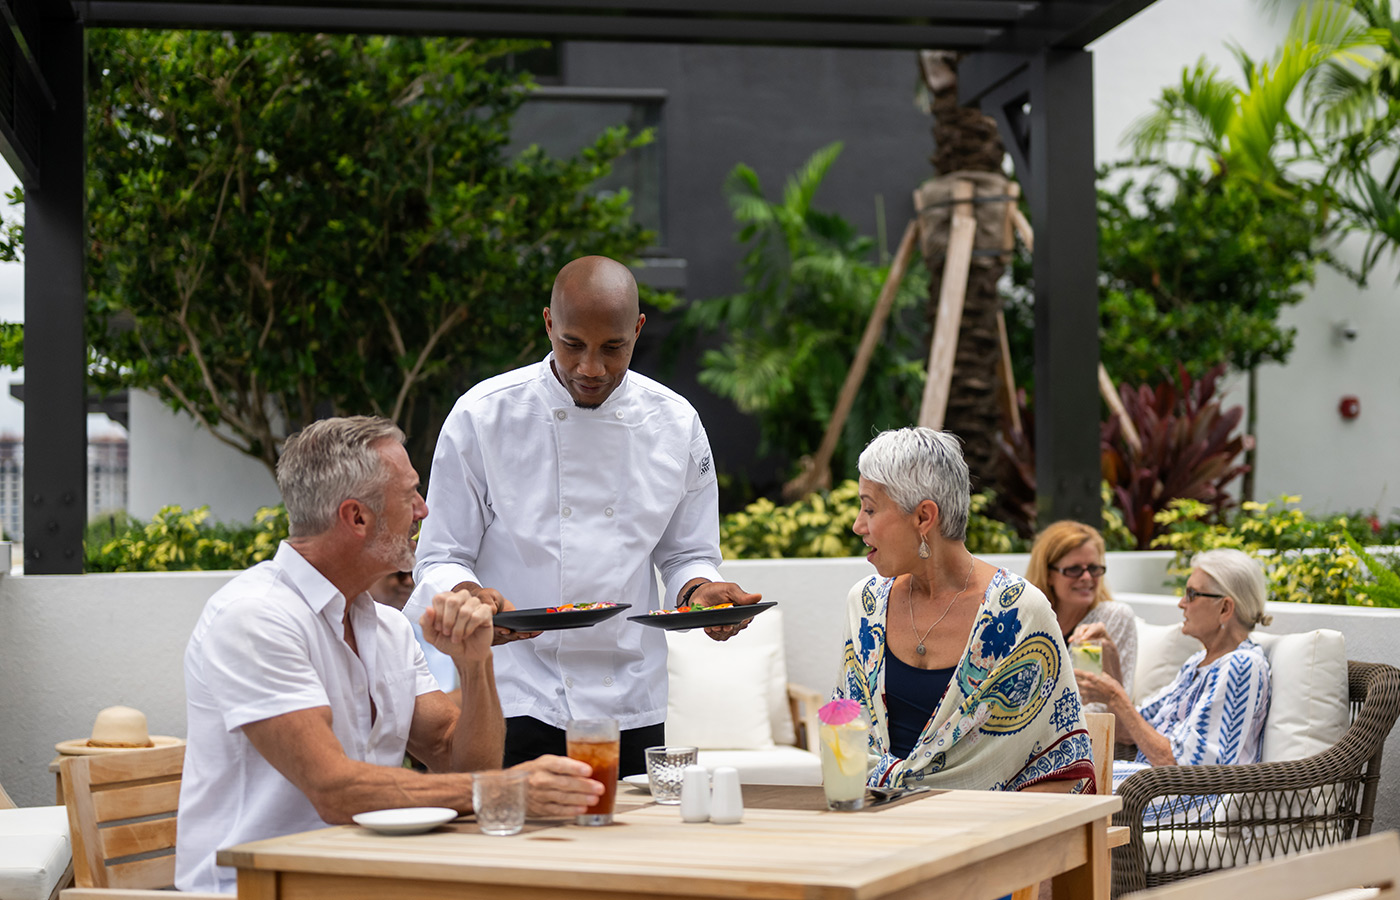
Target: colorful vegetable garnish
577,607
686,609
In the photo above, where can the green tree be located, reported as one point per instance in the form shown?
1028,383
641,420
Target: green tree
287,226
791,334
1251,139
1356,103
1196,270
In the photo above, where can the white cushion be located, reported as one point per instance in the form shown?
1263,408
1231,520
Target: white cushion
1161,651
34,851
721,692
1309,710
781,765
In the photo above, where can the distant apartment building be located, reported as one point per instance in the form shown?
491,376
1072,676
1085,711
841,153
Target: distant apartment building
106,480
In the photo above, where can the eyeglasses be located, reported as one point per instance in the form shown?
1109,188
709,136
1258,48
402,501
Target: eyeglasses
1076,571
1191,594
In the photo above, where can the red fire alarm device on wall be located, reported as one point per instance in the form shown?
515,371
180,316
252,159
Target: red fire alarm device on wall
1350,407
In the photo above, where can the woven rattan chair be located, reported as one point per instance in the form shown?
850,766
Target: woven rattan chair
1217,817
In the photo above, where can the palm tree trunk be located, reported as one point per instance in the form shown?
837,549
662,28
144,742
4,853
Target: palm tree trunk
965,140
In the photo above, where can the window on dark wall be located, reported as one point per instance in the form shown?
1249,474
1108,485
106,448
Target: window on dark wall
564,120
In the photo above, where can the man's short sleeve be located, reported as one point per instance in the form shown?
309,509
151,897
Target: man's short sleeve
257,664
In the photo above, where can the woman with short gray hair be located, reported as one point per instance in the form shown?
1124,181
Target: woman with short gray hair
959,664
1213,711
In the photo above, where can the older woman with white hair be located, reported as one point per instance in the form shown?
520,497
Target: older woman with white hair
959,664
1213,712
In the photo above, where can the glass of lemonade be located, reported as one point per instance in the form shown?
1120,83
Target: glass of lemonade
844,734
1087,656
596,742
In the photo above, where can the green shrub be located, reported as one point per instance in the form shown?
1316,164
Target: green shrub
175,540
819,525
1306,559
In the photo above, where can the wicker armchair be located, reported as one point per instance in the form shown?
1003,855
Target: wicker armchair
1216,817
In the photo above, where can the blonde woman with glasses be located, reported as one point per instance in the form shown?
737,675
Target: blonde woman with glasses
1067,564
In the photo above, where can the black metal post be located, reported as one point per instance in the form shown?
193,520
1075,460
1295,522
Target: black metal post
1064,215
55,357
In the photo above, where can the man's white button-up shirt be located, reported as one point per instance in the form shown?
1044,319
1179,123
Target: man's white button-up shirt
270,642
551,503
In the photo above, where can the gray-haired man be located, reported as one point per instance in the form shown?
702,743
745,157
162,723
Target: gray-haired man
303,693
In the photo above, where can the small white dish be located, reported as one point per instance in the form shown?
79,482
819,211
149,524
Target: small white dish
409,820
638,781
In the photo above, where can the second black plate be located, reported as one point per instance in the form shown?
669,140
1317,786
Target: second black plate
729,615
539,620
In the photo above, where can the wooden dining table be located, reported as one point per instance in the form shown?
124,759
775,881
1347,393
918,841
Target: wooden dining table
974,845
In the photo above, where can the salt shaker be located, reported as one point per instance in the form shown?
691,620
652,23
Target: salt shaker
727,803
695,794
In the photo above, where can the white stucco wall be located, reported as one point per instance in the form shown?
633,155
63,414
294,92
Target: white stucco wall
1305,447
174,461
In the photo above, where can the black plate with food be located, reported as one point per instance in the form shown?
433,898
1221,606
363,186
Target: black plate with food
553,618
703,617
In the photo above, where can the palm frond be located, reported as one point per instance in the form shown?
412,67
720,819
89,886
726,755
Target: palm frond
802,185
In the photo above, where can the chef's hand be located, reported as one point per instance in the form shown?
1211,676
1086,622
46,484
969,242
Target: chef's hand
498,604
713,593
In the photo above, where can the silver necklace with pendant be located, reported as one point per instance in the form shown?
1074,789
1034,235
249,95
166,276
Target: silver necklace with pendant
921,649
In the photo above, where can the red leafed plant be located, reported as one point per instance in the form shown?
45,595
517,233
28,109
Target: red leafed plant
1189,450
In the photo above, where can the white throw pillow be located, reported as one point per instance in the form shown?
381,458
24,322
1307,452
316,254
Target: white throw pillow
721,691
1162,649
1309,710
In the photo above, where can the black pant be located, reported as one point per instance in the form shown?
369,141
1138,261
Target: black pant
527,738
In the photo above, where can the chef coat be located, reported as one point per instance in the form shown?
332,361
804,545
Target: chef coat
551,503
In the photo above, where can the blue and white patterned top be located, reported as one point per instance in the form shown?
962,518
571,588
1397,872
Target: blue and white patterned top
1212,715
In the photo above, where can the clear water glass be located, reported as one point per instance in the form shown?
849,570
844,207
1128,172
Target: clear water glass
498,799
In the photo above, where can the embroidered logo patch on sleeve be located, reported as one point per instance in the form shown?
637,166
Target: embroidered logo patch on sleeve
705,465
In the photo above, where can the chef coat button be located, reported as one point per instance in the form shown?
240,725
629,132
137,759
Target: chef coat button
569,682
608,512
608,680
618,413
560,414
567,512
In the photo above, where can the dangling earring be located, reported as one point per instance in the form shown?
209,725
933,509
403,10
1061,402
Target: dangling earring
923,547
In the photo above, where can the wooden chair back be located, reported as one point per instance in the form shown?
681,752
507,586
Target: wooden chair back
1101,733
121,815
5,801
1372,861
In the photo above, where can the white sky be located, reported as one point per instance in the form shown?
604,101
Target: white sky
12,310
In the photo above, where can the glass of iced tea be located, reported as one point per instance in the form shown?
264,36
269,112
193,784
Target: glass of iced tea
596,742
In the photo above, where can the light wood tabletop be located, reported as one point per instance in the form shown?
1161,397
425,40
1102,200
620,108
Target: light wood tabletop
965,844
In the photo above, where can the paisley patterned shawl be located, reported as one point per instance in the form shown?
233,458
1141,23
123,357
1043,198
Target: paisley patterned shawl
1011,715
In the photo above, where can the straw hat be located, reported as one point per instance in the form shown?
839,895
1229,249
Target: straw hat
117,729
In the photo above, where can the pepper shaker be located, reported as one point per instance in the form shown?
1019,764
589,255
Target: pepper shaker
727,803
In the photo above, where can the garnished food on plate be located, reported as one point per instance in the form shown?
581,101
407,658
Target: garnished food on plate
579,607
688,609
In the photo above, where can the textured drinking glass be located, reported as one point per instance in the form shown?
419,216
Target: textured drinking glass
1087,655
666,772
499,801
596,742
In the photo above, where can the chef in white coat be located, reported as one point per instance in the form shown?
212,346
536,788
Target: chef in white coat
569,481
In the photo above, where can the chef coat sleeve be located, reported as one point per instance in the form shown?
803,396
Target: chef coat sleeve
689,547
458,515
